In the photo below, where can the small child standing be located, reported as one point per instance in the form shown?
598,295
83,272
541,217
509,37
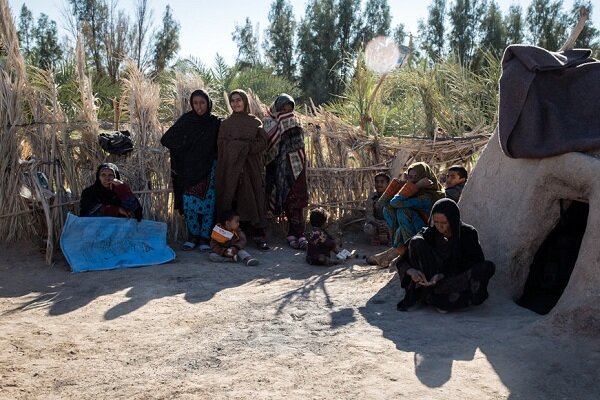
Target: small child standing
321,244
227,241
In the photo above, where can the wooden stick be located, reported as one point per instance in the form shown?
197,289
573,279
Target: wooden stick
583,17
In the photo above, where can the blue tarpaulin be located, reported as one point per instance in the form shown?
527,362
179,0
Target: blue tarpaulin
101,243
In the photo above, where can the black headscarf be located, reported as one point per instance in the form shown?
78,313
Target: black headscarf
192,141
450,209
466,249
97,195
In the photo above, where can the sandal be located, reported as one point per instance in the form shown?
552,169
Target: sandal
262,245
251,262
187,246
302,243
204,248
292,241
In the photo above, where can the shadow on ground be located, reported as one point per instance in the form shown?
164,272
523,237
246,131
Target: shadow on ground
191,275
565,368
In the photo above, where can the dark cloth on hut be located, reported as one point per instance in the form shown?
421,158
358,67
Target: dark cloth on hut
549,102
239,180
98,201
192,142
459,257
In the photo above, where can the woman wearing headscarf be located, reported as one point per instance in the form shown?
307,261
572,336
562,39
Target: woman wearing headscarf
286,187
407,202
240,172
109,196
192,142
444,264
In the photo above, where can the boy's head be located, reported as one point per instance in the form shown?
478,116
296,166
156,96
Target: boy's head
230,220
456,175
382,180
318,217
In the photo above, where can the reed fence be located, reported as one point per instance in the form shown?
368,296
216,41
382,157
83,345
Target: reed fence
46,160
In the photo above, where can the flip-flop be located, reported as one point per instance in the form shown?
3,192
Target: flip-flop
204,248
187,246
262,245
302,243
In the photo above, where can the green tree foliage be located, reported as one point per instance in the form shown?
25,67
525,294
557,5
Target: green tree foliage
48,50
464,22
116,40
279,45
400,34
91,16
317,56
377,19
546,23
141,45
432,32
39,40
167,41
247,43
25,31
513,24
349,23
417,99
493,34
262,80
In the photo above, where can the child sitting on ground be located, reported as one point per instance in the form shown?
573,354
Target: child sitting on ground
227,241
456,178
375,225
321,244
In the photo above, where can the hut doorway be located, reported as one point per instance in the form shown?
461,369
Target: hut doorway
554,261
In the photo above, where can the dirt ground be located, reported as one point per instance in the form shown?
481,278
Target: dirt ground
192,329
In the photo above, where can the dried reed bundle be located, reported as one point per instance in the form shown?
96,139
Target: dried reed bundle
183,86
256,106
13,92
45,147
86,155
147,168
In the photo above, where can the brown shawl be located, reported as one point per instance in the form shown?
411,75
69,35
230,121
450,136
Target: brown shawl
239,179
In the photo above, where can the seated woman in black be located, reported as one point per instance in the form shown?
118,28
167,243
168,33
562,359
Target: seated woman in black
444,265
109,196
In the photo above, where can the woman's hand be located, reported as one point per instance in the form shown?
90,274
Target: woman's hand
125,212
436,278
115,183
424,183
417,276
404,177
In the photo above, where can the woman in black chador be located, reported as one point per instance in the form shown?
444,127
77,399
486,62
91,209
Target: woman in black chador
444,265
192,141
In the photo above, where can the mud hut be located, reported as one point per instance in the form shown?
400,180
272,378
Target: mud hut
535,194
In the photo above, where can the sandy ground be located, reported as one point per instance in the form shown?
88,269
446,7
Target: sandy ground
192,330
